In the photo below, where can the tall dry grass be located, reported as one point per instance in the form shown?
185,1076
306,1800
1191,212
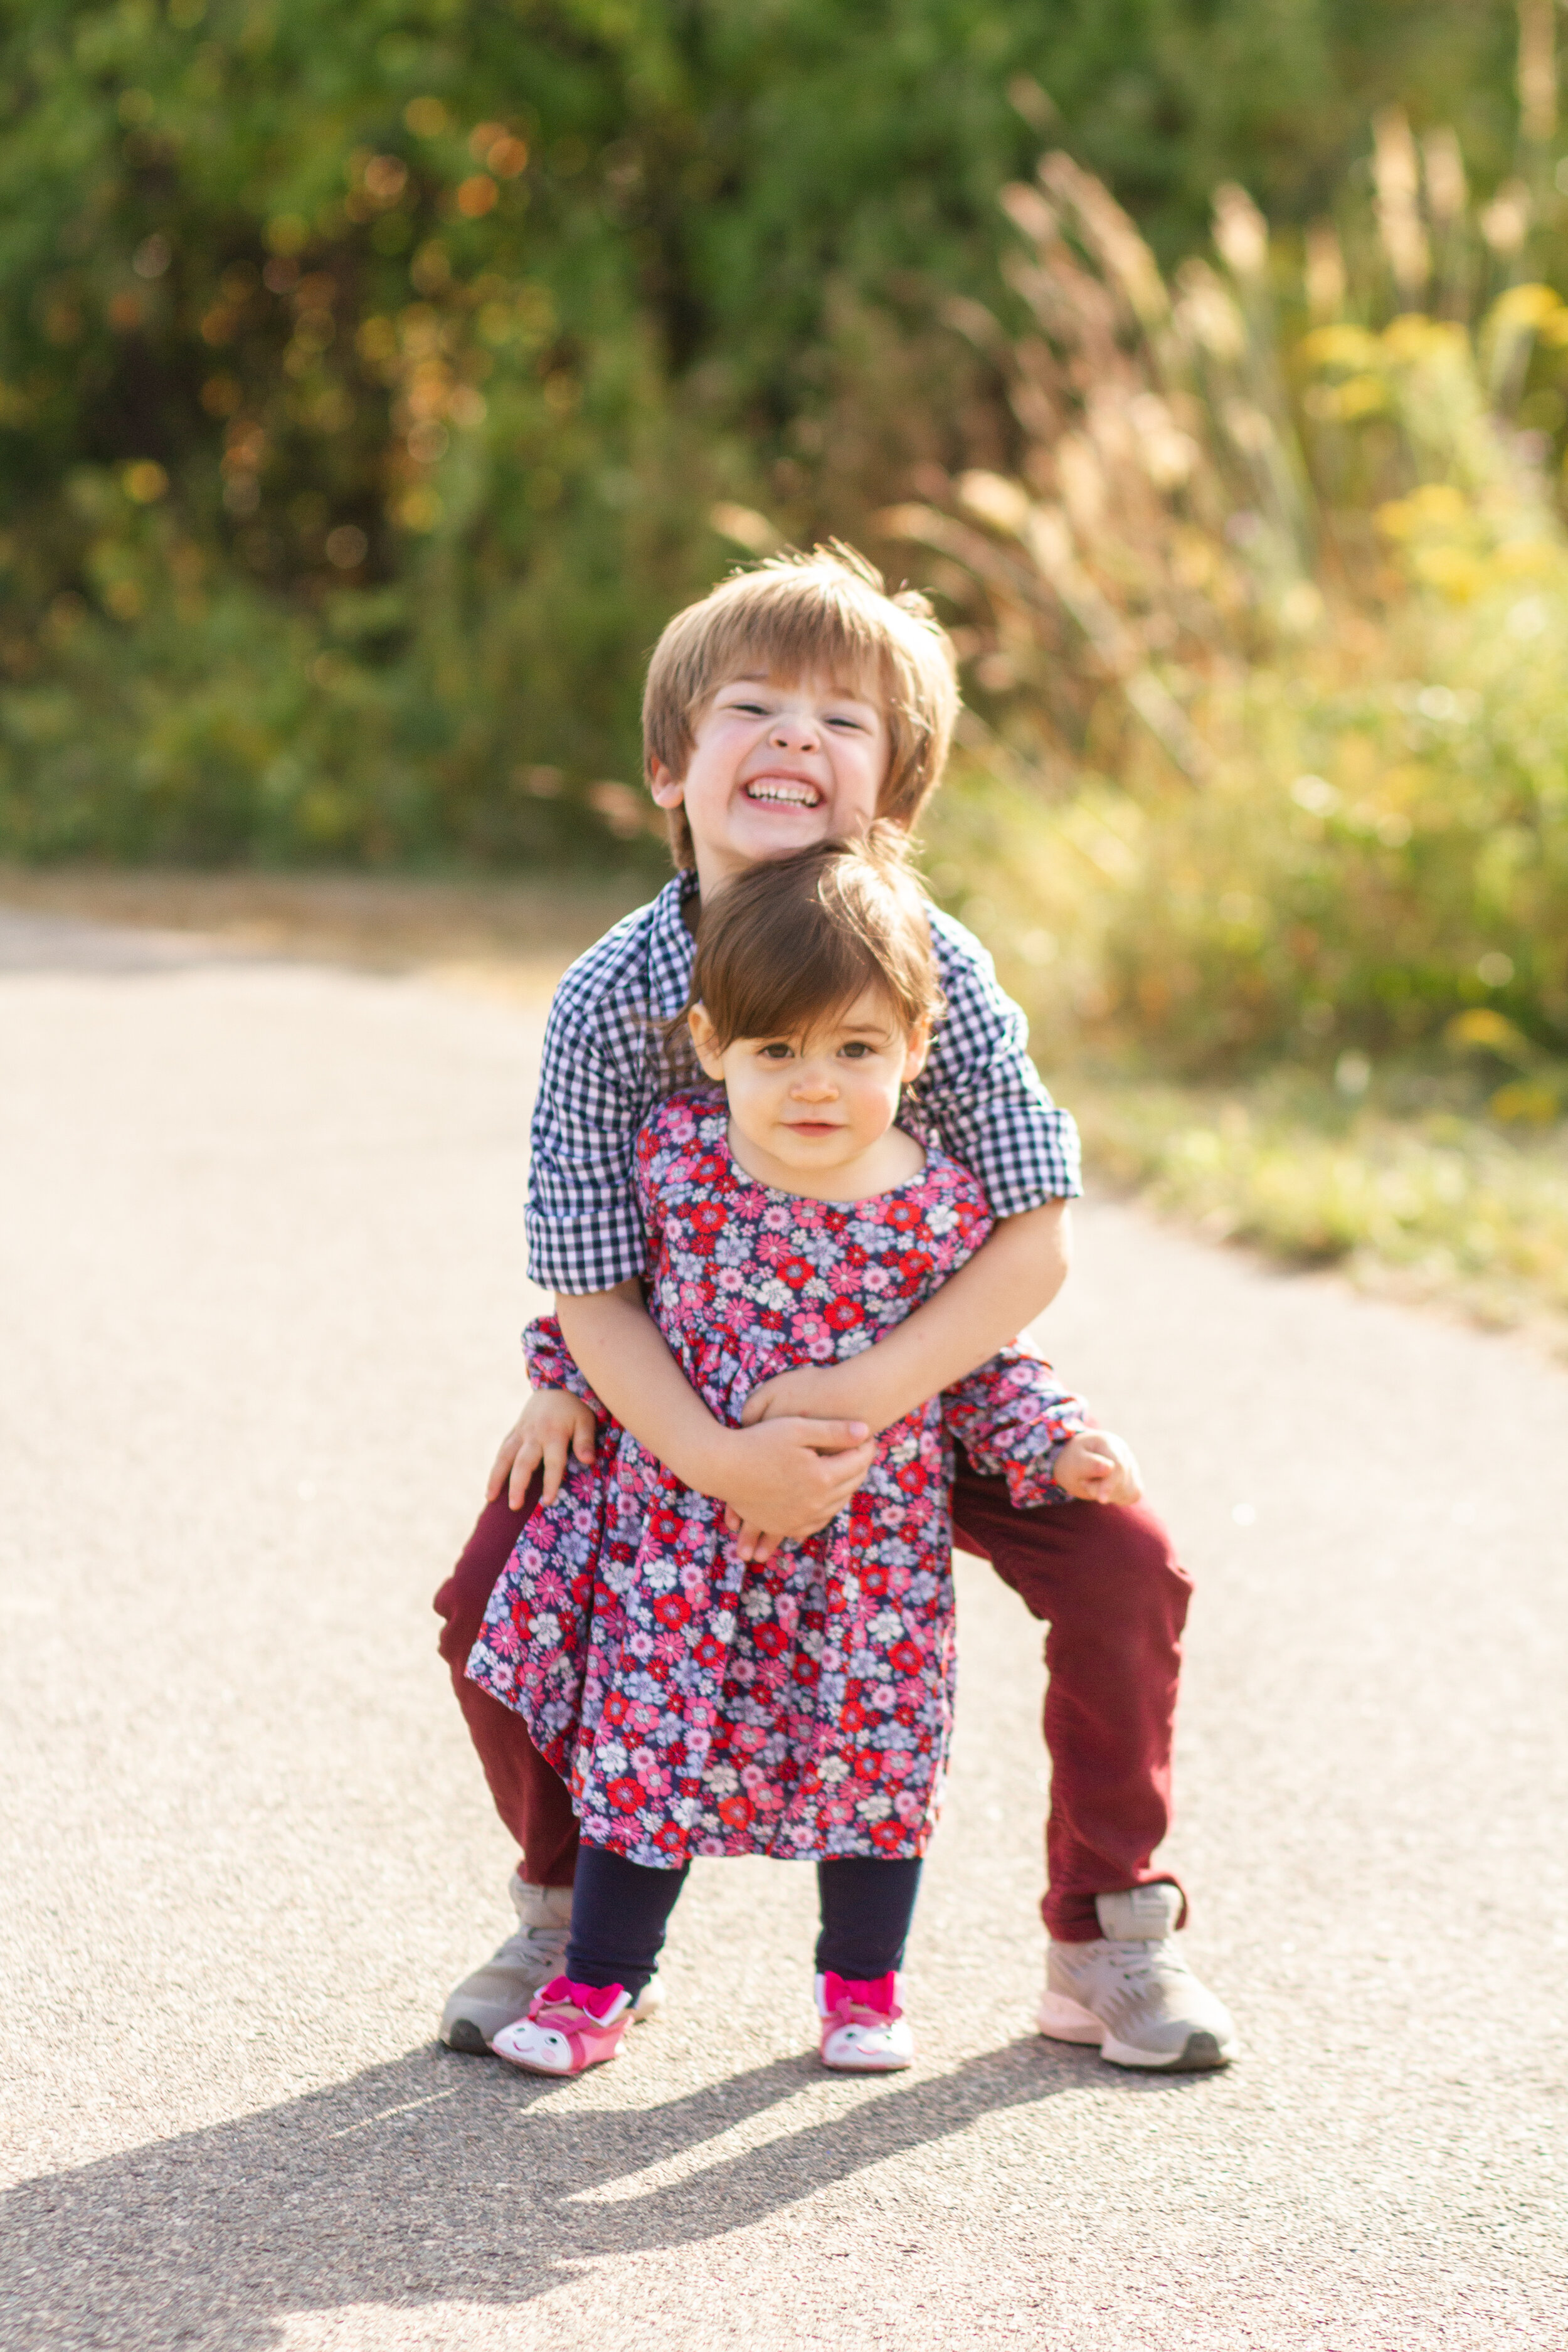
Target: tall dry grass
1271,619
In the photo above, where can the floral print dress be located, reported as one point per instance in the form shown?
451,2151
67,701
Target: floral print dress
801,1707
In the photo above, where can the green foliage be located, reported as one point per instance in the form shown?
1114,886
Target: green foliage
368,377
1445,1204
1372,859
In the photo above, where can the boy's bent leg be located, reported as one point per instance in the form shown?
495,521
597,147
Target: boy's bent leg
1116,1600
532,1800
1104,1577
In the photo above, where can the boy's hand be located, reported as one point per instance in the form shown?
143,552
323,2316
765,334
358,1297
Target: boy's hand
787,1477
551,1424
1096,1466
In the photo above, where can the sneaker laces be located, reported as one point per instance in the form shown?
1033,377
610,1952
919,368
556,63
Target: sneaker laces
540,1942
1145,1962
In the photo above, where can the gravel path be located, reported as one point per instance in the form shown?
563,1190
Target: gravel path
260,1267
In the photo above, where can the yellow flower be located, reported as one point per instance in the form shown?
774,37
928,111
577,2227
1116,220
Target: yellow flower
1451,570
1524,306
1340,347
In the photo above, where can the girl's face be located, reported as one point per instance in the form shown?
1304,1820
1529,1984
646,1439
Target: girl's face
810,1112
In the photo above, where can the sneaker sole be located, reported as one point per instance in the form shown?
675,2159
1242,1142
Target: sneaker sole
1065,2019
464,2036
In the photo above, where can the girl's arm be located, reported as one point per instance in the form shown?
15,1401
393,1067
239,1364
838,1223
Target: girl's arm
1010,1278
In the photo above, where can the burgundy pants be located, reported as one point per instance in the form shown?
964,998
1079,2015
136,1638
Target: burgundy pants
1106,1583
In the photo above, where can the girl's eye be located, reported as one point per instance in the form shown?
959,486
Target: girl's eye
775,1052
856,1050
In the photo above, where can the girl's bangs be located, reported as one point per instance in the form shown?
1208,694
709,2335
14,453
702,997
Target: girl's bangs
764,996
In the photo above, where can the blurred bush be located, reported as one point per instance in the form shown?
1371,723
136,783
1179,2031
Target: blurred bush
1282,555
368,379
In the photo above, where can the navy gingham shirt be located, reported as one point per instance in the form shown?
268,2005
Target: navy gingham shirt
605,1066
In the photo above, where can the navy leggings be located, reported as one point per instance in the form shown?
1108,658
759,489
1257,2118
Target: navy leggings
620,1910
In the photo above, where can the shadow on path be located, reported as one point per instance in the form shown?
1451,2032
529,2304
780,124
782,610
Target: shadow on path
437,2180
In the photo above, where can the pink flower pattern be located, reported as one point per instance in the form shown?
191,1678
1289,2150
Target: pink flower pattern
698,1704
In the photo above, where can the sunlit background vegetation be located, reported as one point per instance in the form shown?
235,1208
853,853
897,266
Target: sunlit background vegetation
373,382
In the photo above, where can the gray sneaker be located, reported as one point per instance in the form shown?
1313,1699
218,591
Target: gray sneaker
1131,1992
497,1994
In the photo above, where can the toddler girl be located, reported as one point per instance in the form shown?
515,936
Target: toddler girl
799,1705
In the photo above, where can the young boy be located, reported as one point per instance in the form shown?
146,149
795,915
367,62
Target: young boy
793,705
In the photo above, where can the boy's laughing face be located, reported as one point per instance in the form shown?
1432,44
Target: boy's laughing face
777,765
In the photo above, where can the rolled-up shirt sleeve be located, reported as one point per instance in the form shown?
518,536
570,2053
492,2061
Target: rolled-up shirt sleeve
981,1093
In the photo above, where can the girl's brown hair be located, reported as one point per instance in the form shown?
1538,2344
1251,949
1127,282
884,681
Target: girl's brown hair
792,941
828,613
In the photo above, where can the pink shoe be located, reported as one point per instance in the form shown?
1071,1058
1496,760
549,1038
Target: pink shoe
568,2027
864,2031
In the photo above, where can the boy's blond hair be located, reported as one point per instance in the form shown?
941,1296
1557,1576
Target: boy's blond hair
829,612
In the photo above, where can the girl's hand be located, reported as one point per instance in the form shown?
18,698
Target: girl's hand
551,1424
1096,1466
786,1479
